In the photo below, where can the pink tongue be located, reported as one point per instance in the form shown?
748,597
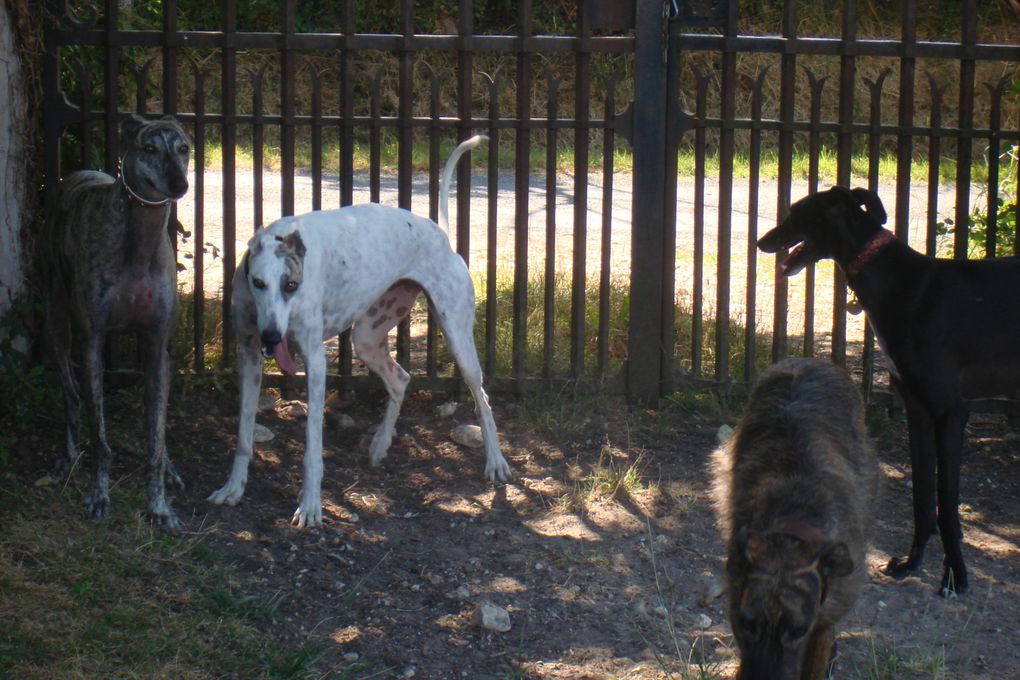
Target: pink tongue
283,358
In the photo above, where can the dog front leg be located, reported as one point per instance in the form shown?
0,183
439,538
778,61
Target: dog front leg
249,377
157,391
309,511
949,445
97,503
922,474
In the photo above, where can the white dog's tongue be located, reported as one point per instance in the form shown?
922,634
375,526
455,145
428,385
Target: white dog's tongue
283,358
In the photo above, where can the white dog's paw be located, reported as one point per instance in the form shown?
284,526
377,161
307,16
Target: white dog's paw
229,494
380,447
309,516
497,470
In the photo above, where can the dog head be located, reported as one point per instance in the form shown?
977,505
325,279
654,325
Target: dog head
274,269
778,581
154,157
828,224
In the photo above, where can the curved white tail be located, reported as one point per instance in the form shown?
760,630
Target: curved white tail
444,183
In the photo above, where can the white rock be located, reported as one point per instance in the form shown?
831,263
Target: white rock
295,409
703,621
712,589
459,593
492,617
351,657
446,410
345,422
723,434
263,434
468,435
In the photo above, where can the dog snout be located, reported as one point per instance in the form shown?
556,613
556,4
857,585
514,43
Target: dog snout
179,187
270,339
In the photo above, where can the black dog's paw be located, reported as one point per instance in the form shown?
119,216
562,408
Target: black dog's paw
168,523
900,567
954,583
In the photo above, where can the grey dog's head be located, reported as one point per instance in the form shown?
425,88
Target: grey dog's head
155,156
274,268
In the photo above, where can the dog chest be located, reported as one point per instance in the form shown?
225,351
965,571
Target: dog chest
136,302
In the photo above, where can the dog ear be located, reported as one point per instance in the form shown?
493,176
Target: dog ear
129,128
871,202
835,560
244,263
293,241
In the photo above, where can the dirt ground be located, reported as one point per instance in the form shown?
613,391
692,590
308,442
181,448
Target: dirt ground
596,584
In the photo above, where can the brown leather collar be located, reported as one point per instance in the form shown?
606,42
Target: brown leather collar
879,241
798,528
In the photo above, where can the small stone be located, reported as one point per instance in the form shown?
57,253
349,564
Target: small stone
409,672
446,410
343,421
351,657
703,621
46,480
459,593
468,435
723,434
262,434
492,617
267,401
294,409
712,589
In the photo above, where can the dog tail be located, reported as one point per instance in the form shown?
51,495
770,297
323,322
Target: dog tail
444,184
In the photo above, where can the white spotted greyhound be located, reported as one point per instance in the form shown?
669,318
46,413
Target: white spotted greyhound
304,279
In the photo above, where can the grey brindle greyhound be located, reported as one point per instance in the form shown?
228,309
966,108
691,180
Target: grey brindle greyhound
108,265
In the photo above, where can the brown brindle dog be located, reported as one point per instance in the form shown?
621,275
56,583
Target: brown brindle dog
795,487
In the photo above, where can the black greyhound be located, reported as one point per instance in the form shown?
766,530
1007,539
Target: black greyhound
950,327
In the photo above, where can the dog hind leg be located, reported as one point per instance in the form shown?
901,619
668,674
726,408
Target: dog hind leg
371,341
58,333
949,445
456,317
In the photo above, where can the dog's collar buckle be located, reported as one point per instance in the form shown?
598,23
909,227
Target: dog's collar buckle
879,241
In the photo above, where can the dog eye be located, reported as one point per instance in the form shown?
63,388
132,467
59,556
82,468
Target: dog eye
290,286
258,283
150,148
183,148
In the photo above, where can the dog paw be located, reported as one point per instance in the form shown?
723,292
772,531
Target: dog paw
307,517
166,521
498,470
953,584
97,506
228,494
379,448
900,567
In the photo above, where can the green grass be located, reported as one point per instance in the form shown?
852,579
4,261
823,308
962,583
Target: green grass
117,600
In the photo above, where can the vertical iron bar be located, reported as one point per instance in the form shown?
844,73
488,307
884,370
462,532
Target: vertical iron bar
405,145
111,68
257,144
345,352
934,161
754,163
465,72
287,106
522,187
198,233
673,122
994,144
431,333
787,82
727,112
491,229
375,139
549,306
228,75
874,159
52,118
698,287
965,142
845,144
904,140
644,353
606,263
316,77
817,86
582,95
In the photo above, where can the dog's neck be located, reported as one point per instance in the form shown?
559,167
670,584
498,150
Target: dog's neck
876,244
147,222
138,200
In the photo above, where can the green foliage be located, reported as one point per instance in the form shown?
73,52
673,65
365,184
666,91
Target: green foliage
990,232
29,396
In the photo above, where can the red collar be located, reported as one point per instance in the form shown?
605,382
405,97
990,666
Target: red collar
879,241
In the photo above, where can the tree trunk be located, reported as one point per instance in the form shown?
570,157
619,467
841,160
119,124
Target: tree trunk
15,163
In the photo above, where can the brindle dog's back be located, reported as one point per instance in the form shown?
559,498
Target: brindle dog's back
795,487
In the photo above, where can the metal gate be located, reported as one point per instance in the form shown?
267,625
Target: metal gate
303,112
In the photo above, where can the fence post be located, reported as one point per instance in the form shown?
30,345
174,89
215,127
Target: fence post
648,139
